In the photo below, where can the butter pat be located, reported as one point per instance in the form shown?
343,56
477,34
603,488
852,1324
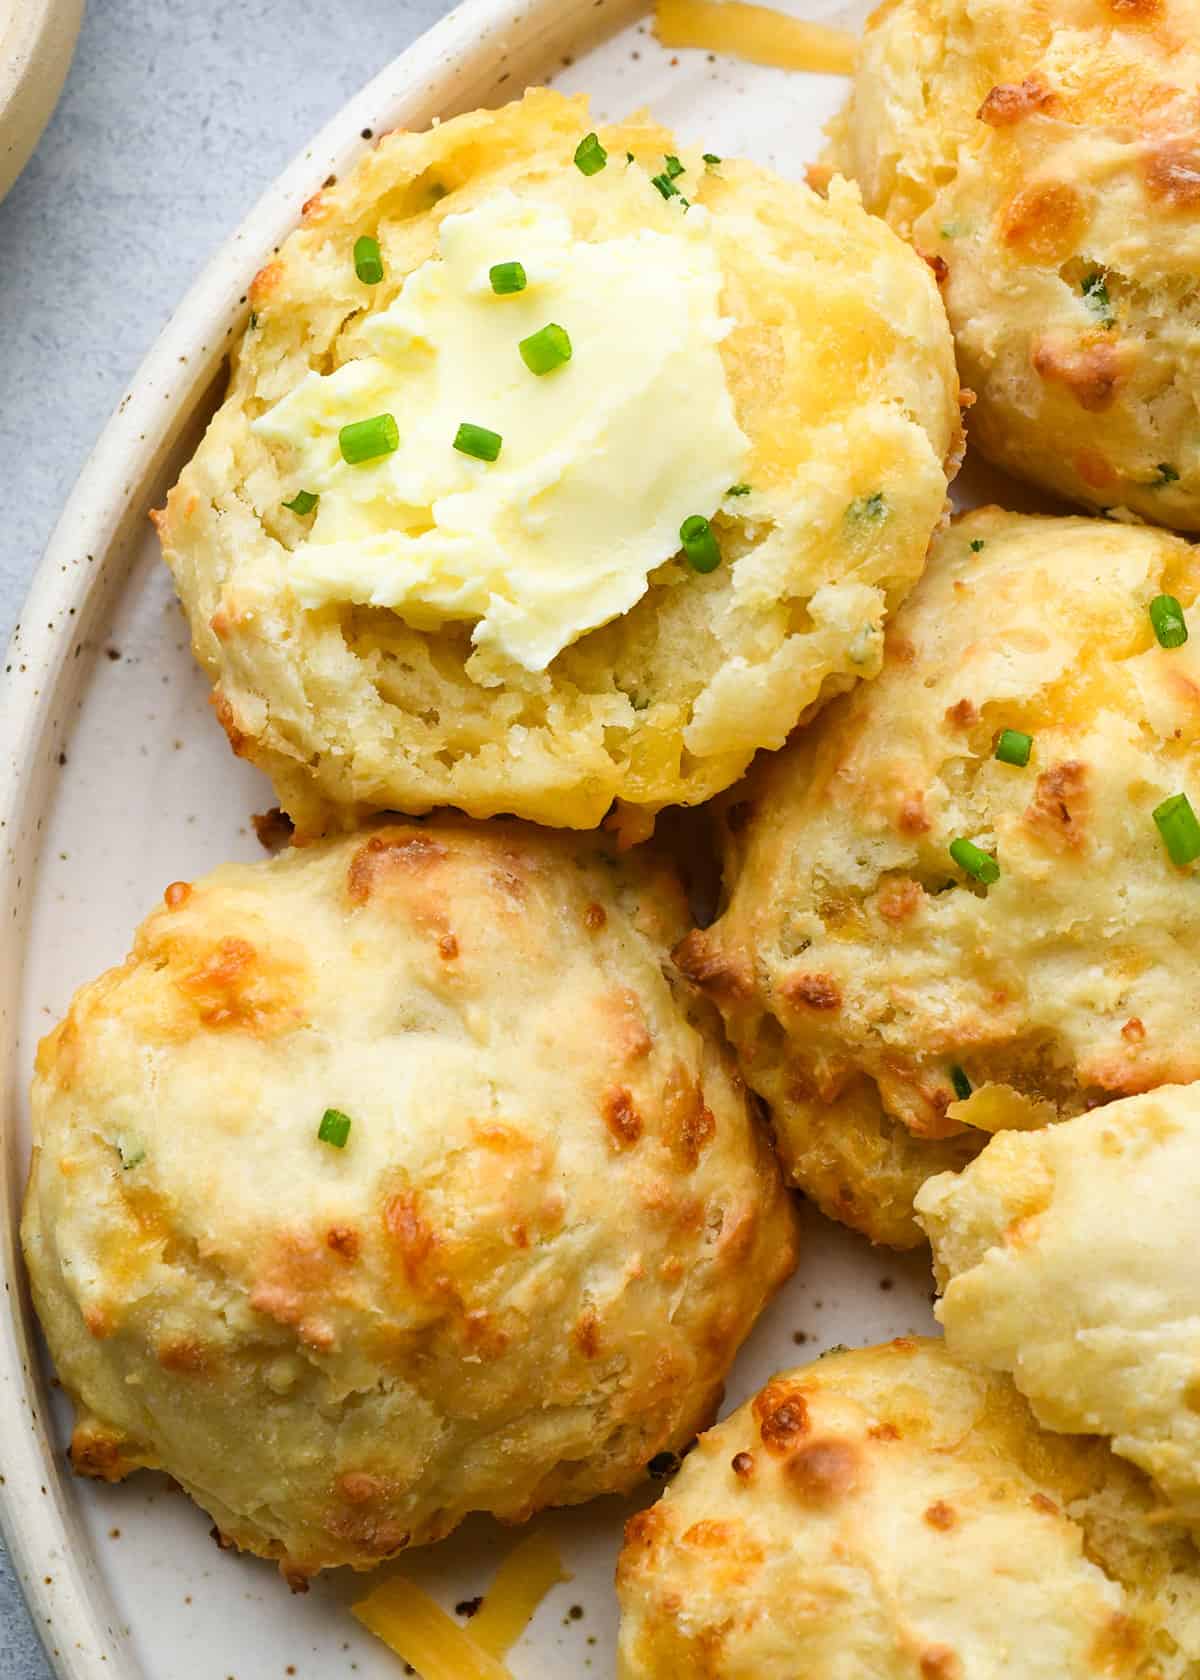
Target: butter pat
601,460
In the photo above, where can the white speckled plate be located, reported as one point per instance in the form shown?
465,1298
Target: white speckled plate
114,780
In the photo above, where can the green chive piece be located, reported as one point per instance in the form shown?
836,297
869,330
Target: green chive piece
629,158
1170,626
962,1085
546,350
711,159
477,441
302,503
872,508
674,167
363,440
976,862
253,321
976,544
1013,746
506,278
1094,287
590,156
131,1150
368,260
665,185
699,544
334,1128
738,490
1167,474
1176,822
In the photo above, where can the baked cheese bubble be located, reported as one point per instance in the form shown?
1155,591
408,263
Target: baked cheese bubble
1067,1257
396,1178
968,889
894,1513
559,469
1045,159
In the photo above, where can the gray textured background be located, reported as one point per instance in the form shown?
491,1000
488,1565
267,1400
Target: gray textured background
176,115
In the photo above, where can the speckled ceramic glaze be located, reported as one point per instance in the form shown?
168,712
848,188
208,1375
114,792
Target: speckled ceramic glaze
37,38
114,780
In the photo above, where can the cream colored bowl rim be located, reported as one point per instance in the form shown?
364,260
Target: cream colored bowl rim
37,42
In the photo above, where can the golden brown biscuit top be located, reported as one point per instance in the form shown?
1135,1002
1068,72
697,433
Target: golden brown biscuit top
1046,160
851,923
535,1227
892,1512
1009,78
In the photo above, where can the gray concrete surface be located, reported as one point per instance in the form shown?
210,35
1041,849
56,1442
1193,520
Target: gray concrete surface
176,114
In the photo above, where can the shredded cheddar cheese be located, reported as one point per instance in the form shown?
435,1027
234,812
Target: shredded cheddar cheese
522,1582
424,1636
758,33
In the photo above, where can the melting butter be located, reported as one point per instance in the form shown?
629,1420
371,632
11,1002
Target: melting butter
601,460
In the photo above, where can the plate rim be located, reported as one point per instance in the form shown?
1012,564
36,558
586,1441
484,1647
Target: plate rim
51,1556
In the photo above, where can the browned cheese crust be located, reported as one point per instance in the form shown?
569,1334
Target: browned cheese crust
525,1273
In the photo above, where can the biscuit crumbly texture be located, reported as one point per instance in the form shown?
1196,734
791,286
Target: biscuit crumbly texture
894,1514
840,366
1046,159
520,1273
867,979
1067,1257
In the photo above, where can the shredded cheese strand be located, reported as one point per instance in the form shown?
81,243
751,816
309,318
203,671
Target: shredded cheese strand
422,1635
522,1582
757,33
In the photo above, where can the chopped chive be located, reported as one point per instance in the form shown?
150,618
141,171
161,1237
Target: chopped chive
738,490
477,441
674,167
962,1085
334,1128
506,278
975,861
368,260
1167,474
699,544
1094,287
253,321
546,350
302,503
1176,822
1013,746
590,156
629,158
665,185
872,508
1170,626
363,440
711,159
976,544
